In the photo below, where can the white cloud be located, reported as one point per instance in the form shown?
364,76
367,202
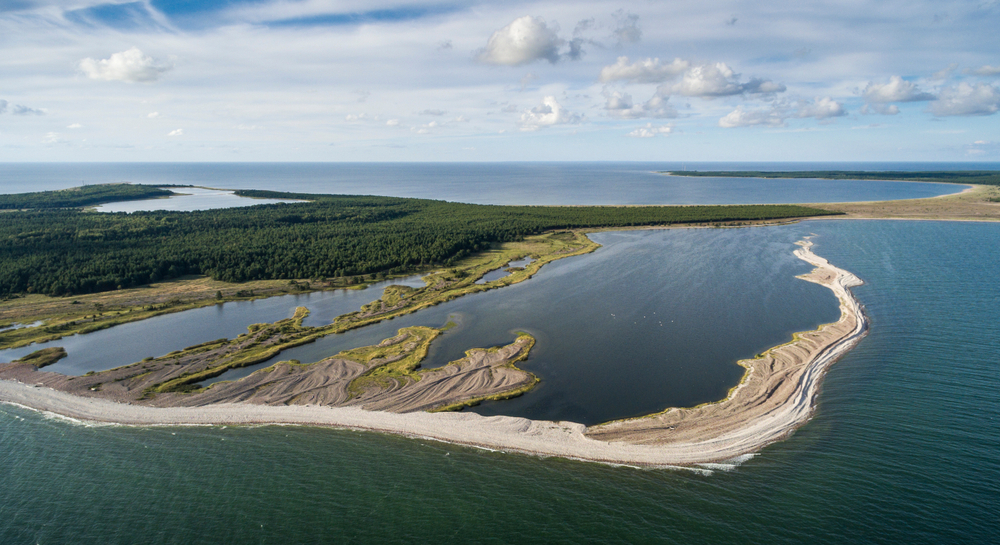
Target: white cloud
546,114
718,80
966,99
749,118
355,117
619,104
130,66
74,126
176,132
649,131
526,39
433,112
986,70
647,71
52,138
153,115
820,108
392,123
896,90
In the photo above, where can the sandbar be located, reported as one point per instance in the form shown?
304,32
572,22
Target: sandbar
776,396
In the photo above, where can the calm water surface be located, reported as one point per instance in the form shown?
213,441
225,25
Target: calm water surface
495,183
188,199
902,450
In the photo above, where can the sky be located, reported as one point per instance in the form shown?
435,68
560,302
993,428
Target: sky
440,80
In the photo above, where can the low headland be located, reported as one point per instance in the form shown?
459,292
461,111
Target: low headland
363,390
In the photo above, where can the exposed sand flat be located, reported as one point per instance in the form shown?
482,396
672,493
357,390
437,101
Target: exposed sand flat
775,397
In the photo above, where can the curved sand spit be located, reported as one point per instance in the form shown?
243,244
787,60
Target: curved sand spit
776,396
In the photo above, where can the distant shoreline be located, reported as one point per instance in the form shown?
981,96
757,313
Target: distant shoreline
710,433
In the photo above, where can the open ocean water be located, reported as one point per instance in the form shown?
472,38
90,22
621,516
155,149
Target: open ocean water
903,449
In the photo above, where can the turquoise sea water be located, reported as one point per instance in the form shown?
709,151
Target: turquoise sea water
903,449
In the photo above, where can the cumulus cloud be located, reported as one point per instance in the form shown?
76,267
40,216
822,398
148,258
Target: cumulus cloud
820,108
649,131
749,118
986,70
546,114
130,66
647,71
965,99
153,115
719,80
74,126
896,90
392,123
176,132
526,39
619,104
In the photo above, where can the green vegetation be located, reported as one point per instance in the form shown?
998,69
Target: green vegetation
982,177
88,195
63,252
45,356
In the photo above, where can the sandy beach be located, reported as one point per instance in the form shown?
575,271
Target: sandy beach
776,395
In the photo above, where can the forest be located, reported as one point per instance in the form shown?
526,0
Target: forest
88,195
59,251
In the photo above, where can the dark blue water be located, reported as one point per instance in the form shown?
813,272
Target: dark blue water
903,449
495,183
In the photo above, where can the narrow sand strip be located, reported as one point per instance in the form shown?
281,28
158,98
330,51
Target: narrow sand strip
776,396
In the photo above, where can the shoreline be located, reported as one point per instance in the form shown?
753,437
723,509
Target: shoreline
754,414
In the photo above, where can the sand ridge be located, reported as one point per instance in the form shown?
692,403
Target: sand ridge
776,396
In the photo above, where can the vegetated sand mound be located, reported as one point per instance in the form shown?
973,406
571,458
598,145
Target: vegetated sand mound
776,396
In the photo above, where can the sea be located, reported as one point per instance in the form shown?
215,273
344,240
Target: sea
902,449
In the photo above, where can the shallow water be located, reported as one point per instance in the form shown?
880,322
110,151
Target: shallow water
188,199
902,450
129,343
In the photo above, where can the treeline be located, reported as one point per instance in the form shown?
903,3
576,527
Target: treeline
88,195
983,177
60,252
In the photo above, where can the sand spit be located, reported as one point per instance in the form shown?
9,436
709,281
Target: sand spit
776,396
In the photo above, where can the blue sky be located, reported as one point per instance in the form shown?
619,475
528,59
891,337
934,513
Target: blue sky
401,80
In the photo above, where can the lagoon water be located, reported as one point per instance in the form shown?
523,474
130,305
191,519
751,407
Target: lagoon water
902,449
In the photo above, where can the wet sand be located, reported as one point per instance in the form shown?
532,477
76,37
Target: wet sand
776,396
